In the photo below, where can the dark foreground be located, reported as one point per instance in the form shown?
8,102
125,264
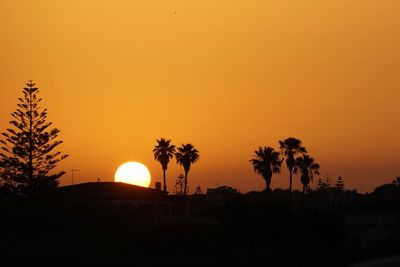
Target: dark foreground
245,230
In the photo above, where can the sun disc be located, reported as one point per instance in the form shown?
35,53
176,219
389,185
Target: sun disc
133,173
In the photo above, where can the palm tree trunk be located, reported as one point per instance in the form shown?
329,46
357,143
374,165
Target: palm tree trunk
165,184
290,186
268,185
303,196
186,174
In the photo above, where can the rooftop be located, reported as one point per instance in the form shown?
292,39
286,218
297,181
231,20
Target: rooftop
107,191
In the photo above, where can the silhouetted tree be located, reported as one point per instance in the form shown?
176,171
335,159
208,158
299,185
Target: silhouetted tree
324,184
179,184
29,148
266,161
396,181
387,196
164,151
340,184
320,184
291,147
198,190
186,156
307,167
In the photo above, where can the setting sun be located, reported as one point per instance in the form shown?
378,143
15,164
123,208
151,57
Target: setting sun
133,173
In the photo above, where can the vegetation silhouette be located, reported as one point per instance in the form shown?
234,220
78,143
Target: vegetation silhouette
198,190
307,167
29,154
179,184
266,161
186,155
323,184
291,147
387,196
340,184
163,152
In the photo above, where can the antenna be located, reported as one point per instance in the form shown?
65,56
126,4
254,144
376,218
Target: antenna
72,176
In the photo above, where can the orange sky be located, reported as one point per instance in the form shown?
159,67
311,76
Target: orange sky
227,76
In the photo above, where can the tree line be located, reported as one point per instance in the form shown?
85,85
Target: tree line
28,154
185,155
266,161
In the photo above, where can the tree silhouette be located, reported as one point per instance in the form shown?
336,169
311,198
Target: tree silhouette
307,167
179,184
320,185
324,184
198,190
186,156
29,148
266,161
340,184
291,147
164,151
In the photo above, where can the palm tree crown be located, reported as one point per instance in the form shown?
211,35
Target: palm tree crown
266,161
164,151
186,156
307,167
290,148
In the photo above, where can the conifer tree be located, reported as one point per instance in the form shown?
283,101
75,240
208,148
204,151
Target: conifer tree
339,184
321,185
28,152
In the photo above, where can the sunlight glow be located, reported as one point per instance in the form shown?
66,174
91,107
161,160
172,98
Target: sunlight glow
133,173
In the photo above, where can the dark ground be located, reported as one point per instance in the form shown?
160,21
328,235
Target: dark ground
251,230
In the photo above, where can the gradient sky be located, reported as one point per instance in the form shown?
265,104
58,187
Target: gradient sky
227,76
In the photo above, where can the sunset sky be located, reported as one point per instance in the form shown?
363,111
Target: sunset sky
227,76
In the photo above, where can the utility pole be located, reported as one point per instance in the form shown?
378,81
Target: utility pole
73,175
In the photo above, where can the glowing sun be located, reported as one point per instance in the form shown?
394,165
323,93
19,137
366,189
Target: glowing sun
133,173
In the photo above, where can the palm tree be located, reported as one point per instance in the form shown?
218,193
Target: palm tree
186,156
163,151
266,161
307,167
290,148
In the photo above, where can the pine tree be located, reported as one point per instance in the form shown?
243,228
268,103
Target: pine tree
28,148
339,184
324,183
321,184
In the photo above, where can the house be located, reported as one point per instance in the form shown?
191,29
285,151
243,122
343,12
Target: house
372,229
220,195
